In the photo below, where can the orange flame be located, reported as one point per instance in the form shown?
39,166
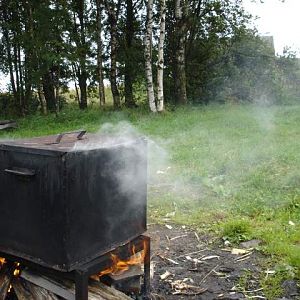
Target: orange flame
2,261
120,266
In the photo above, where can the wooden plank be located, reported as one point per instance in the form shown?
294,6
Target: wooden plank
39,293
49,284
10,124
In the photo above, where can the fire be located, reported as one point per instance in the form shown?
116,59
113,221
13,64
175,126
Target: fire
2,261
17,271
120,266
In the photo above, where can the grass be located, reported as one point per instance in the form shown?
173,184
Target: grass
231,169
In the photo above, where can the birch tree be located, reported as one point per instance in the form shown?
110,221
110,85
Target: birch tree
160,64
148,56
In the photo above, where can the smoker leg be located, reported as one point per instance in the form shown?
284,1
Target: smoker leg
146,286
81,286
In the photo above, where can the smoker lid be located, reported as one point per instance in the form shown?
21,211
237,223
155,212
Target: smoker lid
68,142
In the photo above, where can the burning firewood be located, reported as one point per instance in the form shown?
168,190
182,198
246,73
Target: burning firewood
34,286
105,292
26,290
20,290
30,285
6,274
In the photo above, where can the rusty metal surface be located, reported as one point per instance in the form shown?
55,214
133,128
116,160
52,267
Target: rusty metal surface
66,142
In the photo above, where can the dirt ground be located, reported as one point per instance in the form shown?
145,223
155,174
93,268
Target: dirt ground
187,265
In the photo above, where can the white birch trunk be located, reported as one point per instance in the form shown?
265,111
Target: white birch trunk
160,64
148,56
42,99
178,11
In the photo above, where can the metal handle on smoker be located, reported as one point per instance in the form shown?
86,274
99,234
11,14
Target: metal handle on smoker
20,172
81,133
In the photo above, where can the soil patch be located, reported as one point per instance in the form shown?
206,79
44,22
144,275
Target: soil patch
187,265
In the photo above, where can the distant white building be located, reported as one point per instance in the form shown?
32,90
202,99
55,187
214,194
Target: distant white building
269,40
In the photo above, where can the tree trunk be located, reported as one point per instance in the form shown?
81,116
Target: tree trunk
74,73
82,78
18,85
180,33
11,53
148,56
83,91
57,100
29,54
21,80
112,19
80,41
160,64
99,53
48,89
42,99
10,63
129,63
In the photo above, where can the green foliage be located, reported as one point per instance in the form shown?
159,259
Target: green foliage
241,68
6,103
236,231
272,286
51,43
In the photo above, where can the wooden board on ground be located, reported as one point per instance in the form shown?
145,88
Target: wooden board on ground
5,124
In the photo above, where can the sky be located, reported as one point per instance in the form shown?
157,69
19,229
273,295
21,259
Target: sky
277,18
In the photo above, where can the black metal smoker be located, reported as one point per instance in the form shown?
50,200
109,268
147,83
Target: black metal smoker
67,202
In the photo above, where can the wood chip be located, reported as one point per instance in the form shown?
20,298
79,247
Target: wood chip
237,251
182,288
178,237
166,275
172,261
210,257
243,257
168,259
190,253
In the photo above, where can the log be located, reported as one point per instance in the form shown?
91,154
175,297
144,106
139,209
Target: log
62,289
4,124
26,290
66,288
107,293
6,274
127,282
20,290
